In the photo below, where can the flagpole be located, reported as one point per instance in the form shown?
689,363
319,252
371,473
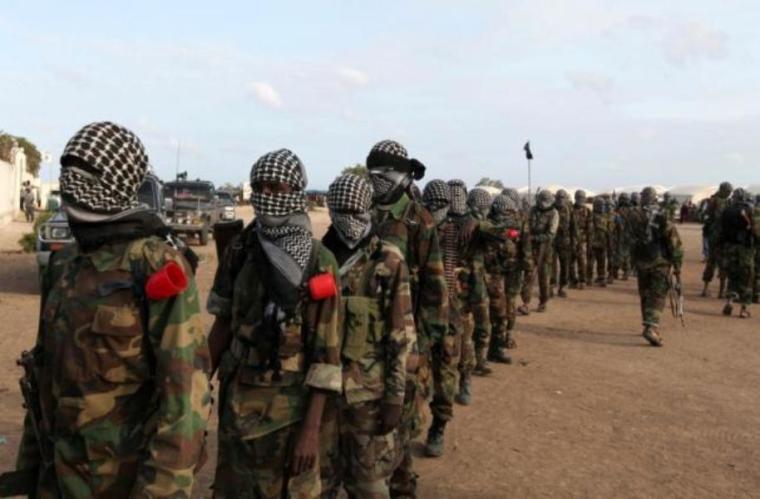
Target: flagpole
530,189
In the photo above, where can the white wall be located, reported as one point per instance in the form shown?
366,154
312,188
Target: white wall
11,175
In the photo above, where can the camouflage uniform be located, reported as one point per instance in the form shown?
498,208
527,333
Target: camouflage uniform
622,238
507,253
268,372
756,232
598,244
582,216
92,381
715,207
737,250
121,372
612,246
669,206
656,249
544,220
566,237
410,227
378,335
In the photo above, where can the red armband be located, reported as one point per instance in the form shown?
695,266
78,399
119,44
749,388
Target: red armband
170,280
513,234
322,287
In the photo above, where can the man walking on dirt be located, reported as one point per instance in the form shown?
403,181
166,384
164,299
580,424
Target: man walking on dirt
656,252
28,201
715,206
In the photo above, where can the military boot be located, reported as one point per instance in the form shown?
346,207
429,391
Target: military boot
744,313
464,397
434,443
652,336
509,339
561,293
728,307
481,364
705,292
541,307
499,356
523,309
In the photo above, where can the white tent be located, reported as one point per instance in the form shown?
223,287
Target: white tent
753,189
693,193
661,189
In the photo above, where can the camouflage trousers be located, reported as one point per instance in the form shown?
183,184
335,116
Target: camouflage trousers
739,264
654,285
756,284
527,285
714,260
497,309
621,258
259,468
513,285
561,264
578,264
403,483
444,358
541,273
598,259
368,457
475,331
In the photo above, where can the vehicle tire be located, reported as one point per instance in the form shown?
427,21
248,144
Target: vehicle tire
203,236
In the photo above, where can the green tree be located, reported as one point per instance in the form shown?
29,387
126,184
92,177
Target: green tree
33,156
357,169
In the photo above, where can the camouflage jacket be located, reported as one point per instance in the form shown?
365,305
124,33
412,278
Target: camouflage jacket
582,216
471,277
567,230
507,245
622,231
410,227
274,360
715,207
543,225
377,322
601,229
126,407
654,239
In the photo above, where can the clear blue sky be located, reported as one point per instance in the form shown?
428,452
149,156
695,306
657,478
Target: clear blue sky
609,92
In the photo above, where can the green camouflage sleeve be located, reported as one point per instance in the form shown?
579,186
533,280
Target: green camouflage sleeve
219,301
673,242
182,362
433,299
399,320
324,367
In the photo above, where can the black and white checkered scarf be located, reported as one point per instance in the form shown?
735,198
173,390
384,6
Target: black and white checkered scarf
479,201
349,199
387,182
283,225
504,209
436,199
102,167
458,196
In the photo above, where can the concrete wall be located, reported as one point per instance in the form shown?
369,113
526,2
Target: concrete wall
11,176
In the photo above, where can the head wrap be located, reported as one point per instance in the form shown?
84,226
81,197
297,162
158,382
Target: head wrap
740,196
458,197
545,200
725,188
479,201
624,199
598,205
280,166
648,196
580,197
283,226
436,199
561,197
102,167
349,199
391,171
635,198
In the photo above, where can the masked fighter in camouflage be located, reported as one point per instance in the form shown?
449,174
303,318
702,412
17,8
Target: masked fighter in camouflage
567,235
436,198
737,250
276,308
656,251
408,225
715,206
476,323
544,220
121,362
378,331
582,216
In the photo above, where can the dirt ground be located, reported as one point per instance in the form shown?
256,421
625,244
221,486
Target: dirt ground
587,410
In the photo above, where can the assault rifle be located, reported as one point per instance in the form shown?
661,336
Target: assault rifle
24,482
675,295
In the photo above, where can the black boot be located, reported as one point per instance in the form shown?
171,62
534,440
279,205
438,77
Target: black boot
434,443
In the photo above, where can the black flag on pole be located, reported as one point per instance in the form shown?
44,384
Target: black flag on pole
528,154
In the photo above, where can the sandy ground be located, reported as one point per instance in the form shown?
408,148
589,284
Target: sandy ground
588,410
